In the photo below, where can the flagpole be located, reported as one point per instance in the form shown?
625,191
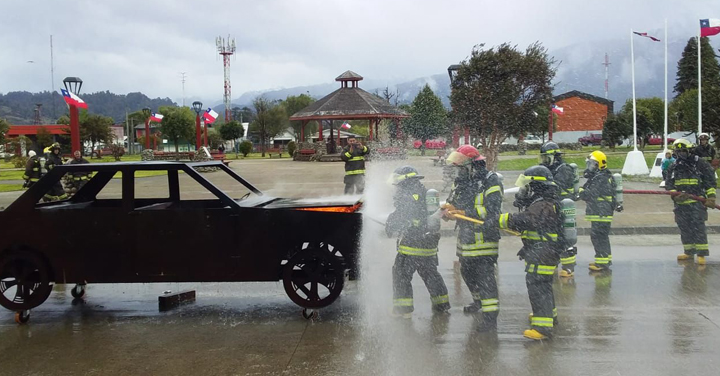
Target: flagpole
665,148
699,53
632,69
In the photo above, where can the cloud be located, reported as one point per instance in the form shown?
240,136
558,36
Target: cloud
134,45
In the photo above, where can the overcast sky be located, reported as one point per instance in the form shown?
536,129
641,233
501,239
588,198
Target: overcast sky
130,45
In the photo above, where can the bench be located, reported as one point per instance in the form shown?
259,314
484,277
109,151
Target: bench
272,151
306,151
439,158
167,156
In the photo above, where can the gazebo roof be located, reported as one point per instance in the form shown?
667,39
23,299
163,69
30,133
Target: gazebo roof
349,103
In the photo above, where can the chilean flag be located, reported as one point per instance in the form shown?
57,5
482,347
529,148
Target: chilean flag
210,116
557,110
345,125
709,27
646,35
156,117
73,99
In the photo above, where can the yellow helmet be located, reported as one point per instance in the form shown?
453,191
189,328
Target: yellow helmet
600,158
682,144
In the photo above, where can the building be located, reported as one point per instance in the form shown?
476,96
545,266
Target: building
582,114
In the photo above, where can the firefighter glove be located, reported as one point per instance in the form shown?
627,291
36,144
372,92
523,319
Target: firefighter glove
681,197
710,202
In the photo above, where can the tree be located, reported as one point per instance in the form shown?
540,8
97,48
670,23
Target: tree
496,92
214,139
270,120
232,131
428,117
650,117
4,129
243,115
683,111
245,148
43,139
178,123
687,73
616,129
540,122
293,104
95,129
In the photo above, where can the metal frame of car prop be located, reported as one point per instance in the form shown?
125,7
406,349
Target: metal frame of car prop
308,244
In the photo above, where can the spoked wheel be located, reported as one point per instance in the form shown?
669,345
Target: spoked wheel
78,291
314,277
24,281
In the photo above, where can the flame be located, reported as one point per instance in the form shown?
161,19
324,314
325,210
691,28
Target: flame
335,209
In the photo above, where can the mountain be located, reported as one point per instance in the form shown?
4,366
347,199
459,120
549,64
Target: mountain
18,107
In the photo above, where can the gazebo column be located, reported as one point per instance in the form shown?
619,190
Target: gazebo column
398,129
320,130
377,131
302,130
371,128
467,136
456,137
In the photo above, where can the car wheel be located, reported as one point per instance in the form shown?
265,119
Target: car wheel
78,291
24,280
314,277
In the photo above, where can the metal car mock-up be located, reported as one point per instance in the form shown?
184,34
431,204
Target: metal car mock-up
309,244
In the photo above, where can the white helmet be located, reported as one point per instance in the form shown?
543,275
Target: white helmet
31,153
701,135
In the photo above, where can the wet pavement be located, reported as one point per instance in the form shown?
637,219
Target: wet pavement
650,316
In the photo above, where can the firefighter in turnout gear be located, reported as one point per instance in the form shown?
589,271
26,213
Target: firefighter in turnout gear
541,227
706,151
354,157
477,193
417,244
79,178
564,176
56,192
599,196
32,170
691,175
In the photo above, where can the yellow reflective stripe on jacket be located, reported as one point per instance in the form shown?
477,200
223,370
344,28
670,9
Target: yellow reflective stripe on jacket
542,321
710,191
494,188
347,154
503,221
361,158
412,251
534,235
354,172
482,212
598,218
605,198
686,182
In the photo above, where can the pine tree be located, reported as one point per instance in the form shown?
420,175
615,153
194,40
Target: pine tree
428,117
687,67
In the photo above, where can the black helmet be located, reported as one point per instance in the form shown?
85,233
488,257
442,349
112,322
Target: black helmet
536,175
550,148
404,173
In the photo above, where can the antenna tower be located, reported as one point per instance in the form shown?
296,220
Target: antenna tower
226,48
38,116
183,85
607,65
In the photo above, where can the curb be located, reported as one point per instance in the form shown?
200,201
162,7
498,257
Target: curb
648,230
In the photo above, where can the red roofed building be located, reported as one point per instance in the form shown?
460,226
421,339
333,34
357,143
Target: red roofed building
582,111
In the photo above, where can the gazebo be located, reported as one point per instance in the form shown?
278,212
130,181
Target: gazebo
349,102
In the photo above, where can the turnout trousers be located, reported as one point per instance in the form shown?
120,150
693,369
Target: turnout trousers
478,272
600,238
354,184
426,266
539,278
690,219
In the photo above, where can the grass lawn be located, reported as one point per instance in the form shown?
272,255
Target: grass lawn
615,162
10,187
11,174
231,156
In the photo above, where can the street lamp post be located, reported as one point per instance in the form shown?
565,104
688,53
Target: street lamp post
146,114
197,106
205,143
74,84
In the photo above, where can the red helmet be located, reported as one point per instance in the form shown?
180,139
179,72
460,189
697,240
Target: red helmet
464,155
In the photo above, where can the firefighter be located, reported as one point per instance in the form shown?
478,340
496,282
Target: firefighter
32,170
78,178
598,192
477,193
706,151
354,157
691,175
564,176
541,228
56,192
417,244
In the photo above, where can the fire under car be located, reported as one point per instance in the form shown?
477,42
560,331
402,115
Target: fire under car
189,232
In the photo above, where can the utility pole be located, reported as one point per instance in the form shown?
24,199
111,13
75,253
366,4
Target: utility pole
183,87
52,79
607,65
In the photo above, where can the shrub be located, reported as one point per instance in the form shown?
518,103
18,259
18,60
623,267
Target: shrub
19,161
117,151
291,147
245,148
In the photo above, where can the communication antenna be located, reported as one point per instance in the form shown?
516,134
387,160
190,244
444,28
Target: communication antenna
183,86
607,65
226,48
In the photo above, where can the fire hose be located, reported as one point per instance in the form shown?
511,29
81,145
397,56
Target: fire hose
464,218
667,193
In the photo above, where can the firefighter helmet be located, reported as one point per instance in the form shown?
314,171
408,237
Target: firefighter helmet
539,175
598,157
703,136
682,144
465,155
549,152
404,173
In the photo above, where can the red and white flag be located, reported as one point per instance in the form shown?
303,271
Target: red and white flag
647,36
346,125
557,110
709,27
72,99
210,116
156,117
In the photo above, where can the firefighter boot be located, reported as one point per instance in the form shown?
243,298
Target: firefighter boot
701,260
534,334
684,257
598,267
475,307
565,273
